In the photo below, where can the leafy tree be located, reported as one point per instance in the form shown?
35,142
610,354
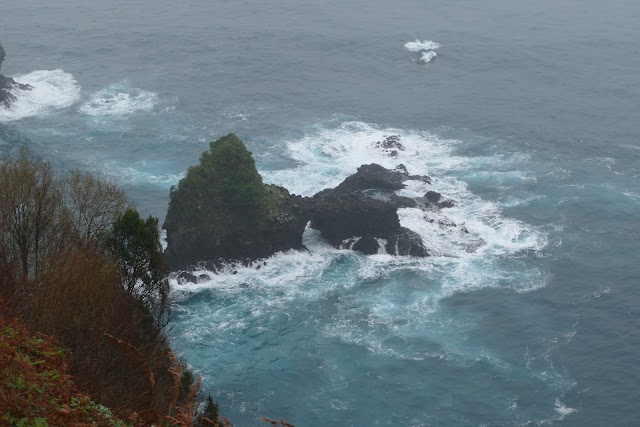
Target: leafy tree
136,245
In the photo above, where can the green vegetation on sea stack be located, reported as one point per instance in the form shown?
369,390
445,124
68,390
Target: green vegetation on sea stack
222,210
224,184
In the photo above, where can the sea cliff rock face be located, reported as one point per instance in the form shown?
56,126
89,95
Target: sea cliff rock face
8,84
242,239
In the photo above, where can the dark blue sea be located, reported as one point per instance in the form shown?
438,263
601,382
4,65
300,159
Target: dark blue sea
526,114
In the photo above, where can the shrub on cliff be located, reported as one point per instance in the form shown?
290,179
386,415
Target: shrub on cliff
136,245
226,180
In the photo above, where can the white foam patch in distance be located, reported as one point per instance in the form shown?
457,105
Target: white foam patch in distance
119,100
418,45
428,56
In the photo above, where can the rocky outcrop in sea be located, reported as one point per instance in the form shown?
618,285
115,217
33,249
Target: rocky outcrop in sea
361,213
7,85
222,212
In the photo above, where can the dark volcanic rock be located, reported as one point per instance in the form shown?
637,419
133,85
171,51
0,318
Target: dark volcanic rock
435,199
186,277
433,196
244,241
391,145
222,212
340,216
7,84
349,210
406,242
367,245
402,202
373,176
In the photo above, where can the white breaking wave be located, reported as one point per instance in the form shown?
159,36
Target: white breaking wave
281,275
563,410
387,305
470,234
52,90
473,246
418,45
119,100
428,56
138,173
427,48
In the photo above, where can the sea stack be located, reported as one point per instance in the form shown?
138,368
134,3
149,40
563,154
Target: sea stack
7,84
222,212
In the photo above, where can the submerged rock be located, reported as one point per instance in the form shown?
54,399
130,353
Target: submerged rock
435,199
391,145
186,277
433,196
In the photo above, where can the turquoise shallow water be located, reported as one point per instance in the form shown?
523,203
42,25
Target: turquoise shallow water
527,117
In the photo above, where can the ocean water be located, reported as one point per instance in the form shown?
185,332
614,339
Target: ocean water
527,114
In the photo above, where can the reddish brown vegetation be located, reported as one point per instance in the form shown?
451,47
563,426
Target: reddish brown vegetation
60,275
35,384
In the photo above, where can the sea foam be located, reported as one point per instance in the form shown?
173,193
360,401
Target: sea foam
428,56
418,45
388,306
52,90
426,48
119,100
468,242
